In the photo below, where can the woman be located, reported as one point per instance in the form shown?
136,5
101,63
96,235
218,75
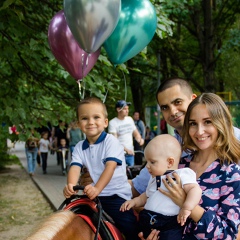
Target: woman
74,135
31,149
214,155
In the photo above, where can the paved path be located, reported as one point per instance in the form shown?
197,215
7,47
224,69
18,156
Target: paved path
52,183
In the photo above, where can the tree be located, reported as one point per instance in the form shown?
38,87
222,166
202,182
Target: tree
201,30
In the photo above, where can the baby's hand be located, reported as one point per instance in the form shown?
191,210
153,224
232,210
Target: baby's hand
127,205
183,215
91,191
68,190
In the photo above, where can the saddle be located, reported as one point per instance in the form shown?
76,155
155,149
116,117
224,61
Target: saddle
92,213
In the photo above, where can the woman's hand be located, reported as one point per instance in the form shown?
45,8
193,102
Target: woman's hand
152,236
176,192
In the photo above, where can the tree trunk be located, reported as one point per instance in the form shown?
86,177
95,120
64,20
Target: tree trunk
137,91
208,63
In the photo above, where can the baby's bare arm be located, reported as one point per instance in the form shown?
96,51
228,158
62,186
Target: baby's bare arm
135,202
194,194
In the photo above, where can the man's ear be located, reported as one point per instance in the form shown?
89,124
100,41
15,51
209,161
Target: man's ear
170,161
194,96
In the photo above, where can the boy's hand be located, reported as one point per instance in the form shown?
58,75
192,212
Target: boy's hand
127,205
182,216
91,191
68,190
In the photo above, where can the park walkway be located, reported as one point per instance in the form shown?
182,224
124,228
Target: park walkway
50,184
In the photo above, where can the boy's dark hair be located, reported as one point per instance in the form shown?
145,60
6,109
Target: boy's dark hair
168,83
92,100
43,133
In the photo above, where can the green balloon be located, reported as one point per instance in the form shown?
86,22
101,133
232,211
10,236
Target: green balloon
135,29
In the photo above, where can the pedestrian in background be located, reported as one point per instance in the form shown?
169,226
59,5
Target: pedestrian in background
123,128
142,130
31,148
74,135
44,146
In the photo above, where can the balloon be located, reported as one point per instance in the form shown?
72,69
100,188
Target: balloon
92,21
135,29
66,49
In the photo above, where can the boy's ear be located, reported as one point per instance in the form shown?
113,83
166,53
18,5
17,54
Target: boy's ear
170,161
106,122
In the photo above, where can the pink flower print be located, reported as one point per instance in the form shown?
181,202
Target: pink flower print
201,236
232,215
181,165
210,227
225,190
212,166
212,193
234,178
213,179
228,237
231,201
218,234
227,168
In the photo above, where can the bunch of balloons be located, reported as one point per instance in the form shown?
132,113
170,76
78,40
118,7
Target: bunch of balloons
122,27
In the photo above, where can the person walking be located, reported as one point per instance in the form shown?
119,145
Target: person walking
44,146
123,128
31,149
142,130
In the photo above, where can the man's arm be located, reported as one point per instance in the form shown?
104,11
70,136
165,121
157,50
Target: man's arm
135,193
138,137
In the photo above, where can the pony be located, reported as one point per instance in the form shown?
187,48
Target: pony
63,225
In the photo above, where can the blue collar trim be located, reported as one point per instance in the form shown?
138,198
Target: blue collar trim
100,139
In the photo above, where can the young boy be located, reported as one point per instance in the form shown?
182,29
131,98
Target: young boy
160,212
103,155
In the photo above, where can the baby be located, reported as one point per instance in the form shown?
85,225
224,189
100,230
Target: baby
160,212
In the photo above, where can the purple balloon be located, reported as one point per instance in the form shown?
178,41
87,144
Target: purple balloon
66,49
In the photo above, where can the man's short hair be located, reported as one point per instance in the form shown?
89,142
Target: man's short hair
168,83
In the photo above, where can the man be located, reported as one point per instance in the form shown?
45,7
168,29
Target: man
123,128
141,129
173,96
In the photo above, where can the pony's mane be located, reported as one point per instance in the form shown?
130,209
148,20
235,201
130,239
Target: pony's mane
52,225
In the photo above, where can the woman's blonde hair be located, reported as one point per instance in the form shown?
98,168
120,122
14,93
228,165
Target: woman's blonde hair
227,145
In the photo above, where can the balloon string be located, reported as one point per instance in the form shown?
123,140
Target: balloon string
125,85
81,89
104,99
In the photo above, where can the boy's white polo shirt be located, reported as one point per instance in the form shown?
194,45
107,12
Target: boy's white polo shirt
94,157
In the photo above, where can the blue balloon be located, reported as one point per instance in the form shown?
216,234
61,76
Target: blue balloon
135,29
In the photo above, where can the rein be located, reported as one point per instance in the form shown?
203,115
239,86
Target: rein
98,203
